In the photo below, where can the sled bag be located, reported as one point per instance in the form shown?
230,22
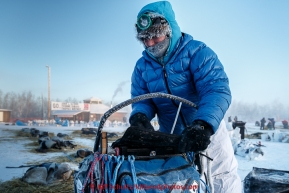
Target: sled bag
173,174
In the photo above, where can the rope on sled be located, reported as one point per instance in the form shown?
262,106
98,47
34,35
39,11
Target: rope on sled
97,157
119,160
207,188
106,161
131,160
107,174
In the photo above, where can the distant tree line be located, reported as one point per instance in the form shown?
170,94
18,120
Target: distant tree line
26,105
251,112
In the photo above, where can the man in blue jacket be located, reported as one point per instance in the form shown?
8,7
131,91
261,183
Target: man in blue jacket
174,63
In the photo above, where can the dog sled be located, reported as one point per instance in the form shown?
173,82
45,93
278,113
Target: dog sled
141,160
266,180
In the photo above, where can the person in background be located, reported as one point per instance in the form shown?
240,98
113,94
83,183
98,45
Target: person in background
285,124
174,63
257,123
235,118
273,122
229,119
263,121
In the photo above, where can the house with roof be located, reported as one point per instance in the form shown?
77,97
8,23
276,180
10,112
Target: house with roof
5,115
92,109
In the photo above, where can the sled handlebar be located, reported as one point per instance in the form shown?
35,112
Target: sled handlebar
133,100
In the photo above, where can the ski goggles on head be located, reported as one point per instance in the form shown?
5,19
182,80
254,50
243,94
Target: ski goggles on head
145,21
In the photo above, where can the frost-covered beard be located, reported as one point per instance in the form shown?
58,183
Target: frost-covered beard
159,49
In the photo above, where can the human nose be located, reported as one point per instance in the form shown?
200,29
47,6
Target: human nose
149,42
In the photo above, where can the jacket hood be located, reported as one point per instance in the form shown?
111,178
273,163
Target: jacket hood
164,8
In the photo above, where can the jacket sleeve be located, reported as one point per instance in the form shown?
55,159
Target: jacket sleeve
212,85
139,87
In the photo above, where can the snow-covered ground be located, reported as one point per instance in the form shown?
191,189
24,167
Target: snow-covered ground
276,154
14,153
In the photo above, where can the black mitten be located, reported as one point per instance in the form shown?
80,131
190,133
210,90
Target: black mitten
196,137
140,120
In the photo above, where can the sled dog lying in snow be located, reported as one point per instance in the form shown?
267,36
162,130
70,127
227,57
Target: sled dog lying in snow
244,147
248,150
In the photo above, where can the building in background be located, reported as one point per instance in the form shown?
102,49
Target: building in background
5,115
91,109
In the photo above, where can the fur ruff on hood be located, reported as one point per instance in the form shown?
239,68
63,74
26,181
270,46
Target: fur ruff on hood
164,9
155,30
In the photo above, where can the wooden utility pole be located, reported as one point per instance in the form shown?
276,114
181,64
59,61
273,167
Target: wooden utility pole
42,110
49,106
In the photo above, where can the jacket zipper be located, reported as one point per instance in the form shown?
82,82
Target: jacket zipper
169,91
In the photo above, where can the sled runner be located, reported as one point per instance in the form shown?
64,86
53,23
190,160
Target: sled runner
140,161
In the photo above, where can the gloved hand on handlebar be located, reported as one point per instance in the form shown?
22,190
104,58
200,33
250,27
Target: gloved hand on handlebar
140,120
196,137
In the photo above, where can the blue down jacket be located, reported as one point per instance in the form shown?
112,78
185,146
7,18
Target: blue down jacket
192,71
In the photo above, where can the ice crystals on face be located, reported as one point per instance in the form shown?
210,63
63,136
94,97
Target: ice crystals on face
160,48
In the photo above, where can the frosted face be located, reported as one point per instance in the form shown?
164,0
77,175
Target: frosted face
159,49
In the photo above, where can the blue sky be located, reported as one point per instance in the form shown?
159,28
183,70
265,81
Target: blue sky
91,45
